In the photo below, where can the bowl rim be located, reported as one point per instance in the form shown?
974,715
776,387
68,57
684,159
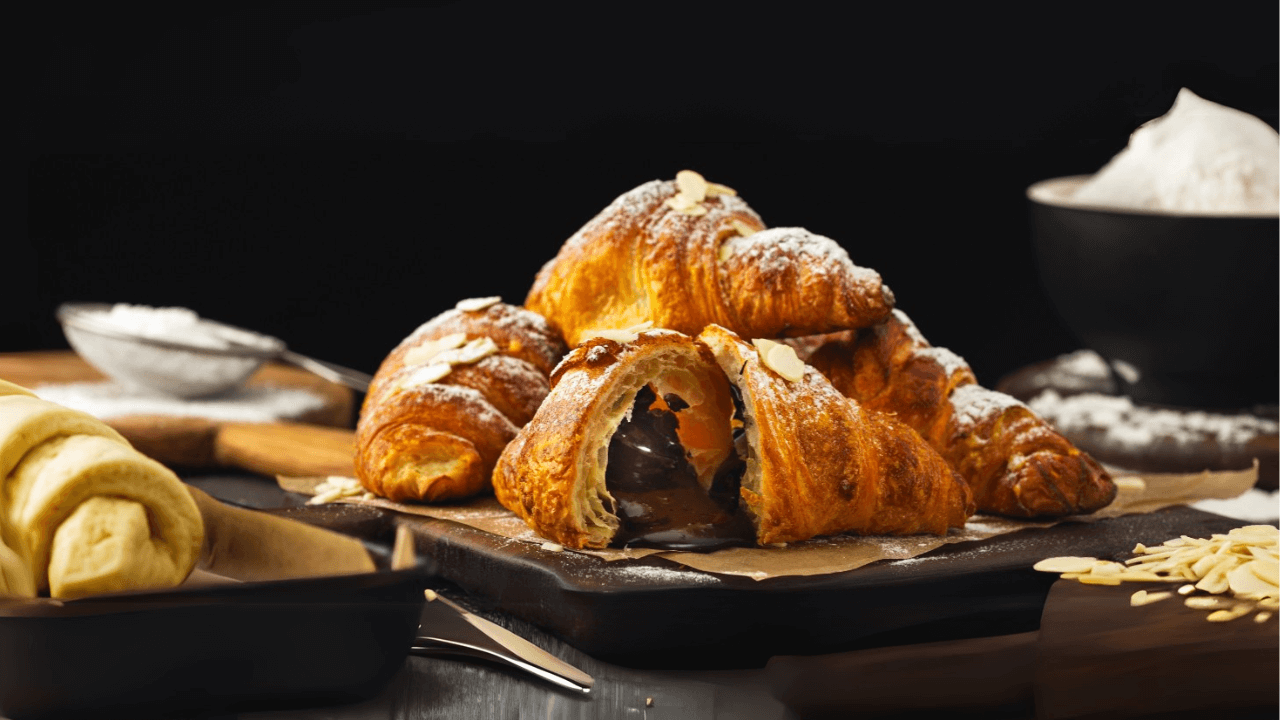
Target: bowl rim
1055,192
75,316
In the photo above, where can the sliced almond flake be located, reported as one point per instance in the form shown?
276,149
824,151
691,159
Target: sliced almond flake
1142,576
1204,565
1269,603
1264,533
624,336
552,547
1207,602
1262,617
1104,567
681,202
763,346
1099,580
1186,589
1214,584
1268,570
783,360
696,210
1131,484
425,375
475,350
780,358
1229,615
325,497
1244,583
726,251
474,304
743,229
1066,564
1142,597
423,353
692,185
718,189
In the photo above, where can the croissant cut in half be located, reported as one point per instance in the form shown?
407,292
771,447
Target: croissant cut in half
682,262
695,443
449,397
1015,462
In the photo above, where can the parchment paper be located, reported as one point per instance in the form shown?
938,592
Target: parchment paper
1138,493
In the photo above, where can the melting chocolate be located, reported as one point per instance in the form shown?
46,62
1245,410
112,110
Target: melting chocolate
659,501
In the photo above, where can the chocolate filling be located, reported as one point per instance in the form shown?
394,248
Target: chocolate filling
659,501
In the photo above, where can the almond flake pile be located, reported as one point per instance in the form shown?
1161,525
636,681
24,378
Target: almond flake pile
1237,571
693,189
336,487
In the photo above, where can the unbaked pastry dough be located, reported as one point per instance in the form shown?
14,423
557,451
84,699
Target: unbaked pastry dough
82,512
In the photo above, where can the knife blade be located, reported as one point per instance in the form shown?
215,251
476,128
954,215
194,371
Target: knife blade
446,628
449,629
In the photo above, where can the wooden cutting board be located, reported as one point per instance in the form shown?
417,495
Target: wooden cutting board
318,442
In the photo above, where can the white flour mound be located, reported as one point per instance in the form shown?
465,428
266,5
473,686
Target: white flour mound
1199,158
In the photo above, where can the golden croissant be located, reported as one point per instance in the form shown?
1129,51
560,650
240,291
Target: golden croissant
449,397
82,512
691,443
683,259
1016,463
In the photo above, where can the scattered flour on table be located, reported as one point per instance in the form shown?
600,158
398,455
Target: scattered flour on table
650,573
258,403
1130,425
1255,506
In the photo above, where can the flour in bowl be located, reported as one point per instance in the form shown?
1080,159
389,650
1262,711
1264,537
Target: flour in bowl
1199,158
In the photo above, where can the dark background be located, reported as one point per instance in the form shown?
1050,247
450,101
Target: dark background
336,176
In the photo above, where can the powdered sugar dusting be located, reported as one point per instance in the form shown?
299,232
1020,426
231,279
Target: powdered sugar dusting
912,331
974,404
631,206
951,363
776,250
1127,425
466,401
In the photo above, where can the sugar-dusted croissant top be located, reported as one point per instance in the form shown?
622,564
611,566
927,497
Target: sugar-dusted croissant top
685,261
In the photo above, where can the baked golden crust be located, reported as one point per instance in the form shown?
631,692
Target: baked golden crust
422,437
817,463
1016,464
641,260
821,464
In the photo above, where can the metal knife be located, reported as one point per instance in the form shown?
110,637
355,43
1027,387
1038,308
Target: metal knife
448,629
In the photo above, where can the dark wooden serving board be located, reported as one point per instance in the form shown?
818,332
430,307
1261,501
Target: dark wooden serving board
654,613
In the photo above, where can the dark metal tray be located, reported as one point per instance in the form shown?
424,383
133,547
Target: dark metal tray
226,647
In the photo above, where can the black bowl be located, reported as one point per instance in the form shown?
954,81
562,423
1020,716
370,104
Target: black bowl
1189,301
